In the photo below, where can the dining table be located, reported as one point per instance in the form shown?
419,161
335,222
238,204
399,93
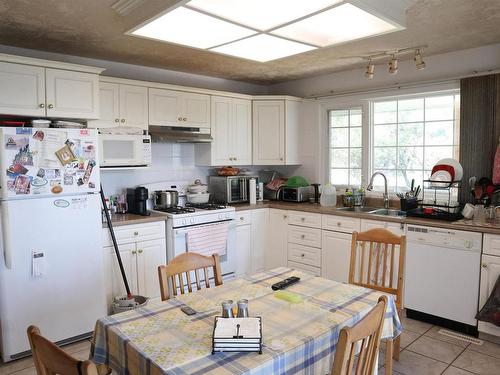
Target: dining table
299,334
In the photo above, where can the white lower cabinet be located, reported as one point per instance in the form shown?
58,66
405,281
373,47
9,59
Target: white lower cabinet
490,271
242,255
141,255
304,242
276,251
396,228
260,230
335,255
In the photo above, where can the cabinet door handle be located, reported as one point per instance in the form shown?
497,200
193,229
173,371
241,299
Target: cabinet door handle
51,106
117,120
134,252
42,105
484,265
140,251
184,119
242,218
123,120
285,217
281,158
179,119
136,233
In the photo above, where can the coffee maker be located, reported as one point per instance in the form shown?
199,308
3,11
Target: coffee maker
136,201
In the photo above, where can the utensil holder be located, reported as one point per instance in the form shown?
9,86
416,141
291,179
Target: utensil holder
408,203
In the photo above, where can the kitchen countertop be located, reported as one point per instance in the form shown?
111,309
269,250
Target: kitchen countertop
127,219
463,224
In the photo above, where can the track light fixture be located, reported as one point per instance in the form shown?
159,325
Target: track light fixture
393,64
370,69
419,62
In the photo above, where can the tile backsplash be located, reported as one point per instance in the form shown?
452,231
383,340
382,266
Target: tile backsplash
171,162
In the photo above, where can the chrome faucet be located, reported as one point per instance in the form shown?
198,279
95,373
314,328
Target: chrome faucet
370,187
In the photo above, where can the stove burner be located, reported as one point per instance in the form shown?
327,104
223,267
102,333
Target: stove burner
177,210
206,206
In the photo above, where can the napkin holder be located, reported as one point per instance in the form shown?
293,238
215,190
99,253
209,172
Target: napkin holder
237,343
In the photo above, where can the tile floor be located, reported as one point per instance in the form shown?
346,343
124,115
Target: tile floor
424,352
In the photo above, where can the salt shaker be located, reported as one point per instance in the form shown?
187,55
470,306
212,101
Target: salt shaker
227,309
243,308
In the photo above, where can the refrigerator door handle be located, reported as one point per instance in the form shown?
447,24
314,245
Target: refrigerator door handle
6,237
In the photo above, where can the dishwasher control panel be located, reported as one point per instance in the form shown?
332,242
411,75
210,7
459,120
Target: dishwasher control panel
441,237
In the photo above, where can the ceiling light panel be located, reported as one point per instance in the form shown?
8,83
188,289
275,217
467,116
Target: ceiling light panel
195,29
263,48
261,14
337,25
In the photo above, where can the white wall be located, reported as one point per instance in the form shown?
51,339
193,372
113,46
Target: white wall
144,73
439,67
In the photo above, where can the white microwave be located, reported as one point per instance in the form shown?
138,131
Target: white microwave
124,150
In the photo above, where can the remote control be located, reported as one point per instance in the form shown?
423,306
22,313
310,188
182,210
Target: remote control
285,283
188,310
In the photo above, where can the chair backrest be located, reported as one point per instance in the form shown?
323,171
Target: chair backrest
364,335
184,264
50,359
378,261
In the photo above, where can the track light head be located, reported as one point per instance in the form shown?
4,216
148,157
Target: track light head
393,64
419,62
370,70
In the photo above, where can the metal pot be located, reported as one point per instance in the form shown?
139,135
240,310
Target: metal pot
166,199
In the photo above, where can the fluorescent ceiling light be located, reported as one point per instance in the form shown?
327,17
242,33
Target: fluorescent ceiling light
339,24
195,29
263,48
261,14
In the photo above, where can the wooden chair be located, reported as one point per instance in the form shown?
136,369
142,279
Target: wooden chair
366,333
377,262
185,264
50,359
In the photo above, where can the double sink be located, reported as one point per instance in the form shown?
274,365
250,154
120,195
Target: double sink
373,211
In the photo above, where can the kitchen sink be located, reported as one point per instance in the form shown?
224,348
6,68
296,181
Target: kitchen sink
387,212
357,209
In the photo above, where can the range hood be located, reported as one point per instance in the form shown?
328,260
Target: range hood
179,134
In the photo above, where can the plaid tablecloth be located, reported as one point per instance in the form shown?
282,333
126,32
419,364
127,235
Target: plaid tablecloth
298,338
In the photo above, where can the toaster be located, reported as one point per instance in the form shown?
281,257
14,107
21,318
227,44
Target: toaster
296,194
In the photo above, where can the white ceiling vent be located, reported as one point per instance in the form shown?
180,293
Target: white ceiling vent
123,7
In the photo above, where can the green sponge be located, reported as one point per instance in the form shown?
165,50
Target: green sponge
288,296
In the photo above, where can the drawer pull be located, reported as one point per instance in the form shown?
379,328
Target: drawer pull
303,218
339,223
302,255
136,233
302,236
242,218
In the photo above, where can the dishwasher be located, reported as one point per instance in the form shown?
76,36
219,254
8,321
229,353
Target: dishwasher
442,277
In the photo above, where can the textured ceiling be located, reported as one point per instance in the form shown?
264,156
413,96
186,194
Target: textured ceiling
91,28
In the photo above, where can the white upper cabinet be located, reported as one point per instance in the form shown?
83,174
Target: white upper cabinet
231,129
122,105
31,90
71,94
177,108
22,89
275,132
134,106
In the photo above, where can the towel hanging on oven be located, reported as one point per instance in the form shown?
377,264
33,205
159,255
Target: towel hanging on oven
208,239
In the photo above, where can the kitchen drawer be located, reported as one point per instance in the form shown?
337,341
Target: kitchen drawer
135,232
244,217
316,271
397,228
304,236
304,219
340,223
304,255
491,244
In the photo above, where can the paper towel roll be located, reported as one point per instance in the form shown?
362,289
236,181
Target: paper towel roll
253,190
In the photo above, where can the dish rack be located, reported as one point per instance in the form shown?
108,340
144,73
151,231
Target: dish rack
443,209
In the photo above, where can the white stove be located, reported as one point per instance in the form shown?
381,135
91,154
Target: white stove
179,220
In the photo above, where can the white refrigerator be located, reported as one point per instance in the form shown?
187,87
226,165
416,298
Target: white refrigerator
51,262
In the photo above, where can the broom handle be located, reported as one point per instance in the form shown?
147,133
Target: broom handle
115,244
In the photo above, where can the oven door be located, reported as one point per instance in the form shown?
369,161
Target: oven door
227,261
237,189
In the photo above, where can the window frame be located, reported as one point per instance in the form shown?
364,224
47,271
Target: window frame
365,101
